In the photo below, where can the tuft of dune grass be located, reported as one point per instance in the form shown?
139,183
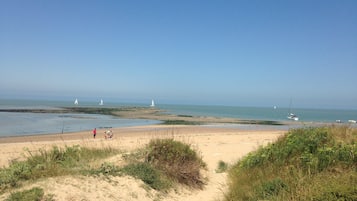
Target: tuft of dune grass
305,164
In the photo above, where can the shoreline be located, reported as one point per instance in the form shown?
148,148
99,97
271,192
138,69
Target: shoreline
127,113
130,131
148,113
133,134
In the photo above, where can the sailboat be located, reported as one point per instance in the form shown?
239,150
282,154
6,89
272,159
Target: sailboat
76,101
101,102
291,115
152,103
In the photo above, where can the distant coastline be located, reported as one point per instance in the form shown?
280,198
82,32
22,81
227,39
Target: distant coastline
150,114
166,117
276,113
23,117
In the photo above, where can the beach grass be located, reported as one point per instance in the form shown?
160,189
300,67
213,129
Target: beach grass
305,164
177,160
58,161
161,164
150,175
30,195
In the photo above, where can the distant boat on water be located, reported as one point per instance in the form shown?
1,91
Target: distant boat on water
152,103
291,115
76,101
101,102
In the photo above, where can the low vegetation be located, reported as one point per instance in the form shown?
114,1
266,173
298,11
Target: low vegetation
161,164
305,164
177,160
180,122
318,164
49,163
222,167
34,194
151,176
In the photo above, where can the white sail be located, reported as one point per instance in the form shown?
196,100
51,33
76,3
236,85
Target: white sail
101,102
152,103
76,102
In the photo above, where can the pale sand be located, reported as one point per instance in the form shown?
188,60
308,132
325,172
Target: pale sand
215,144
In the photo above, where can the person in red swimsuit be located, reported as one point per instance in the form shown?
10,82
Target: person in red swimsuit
94,132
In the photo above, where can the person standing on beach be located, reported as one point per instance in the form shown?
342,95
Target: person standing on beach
94,132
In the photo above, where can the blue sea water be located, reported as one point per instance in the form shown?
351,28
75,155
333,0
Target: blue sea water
14,124
264,113
19,123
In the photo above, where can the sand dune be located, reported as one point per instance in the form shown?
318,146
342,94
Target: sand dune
215,144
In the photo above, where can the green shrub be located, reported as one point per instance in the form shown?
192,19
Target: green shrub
10,177
164,161
271,188
222,167
108,168
149,175
305,164
177,160
297,146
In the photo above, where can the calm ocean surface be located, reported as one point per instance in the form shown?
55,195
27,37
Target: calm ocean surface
15,124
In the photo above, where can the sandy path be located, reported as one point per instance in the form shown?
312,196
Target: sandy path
215,144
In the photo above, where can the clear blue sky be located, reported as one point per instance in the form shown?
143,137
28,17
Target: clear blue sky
245,53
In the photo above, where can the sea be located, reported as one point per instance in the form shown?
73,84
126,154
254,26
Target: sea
18,124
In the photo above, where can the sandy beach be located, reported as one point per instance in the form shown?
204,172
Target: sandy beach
214,144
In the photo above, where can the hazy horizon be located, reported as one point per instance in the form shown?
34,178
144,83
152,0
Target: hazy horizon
93,101
234,53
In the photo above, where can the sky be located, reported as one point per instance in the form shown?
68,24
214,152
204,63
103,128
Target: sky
240,53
